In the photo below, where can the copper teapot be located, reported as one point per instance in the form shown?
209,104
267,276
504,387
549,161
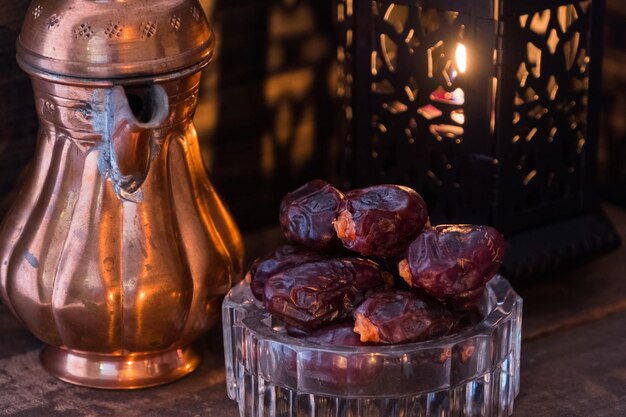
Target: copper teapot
118,250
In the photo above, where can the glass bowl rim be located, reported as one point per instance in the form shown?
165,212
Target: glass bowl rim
498,289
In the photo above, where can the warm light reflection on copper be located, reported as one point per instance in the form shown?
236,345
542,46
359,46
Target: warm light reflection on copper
118,250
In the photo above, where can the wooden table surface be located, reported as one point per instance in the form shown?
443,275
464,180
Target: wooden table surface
573,356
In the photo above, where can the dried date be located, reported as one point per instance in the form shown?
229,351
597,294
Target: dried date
381,220
336,370
315,294
306,215
395,317
453,261
282,259
340,334
330,368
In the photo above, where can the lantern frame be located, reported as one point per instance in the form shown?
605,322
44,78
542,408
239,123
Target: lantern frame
509,139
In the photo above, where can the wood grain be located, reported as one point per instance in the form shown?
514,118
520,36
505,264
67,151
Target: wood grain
575,373
27,390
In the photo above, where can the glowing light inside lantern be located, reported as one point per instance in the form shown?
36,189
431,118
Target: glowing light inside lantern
461,57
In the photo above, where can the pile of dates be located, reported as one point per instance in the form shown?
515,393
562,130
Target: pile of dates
367,268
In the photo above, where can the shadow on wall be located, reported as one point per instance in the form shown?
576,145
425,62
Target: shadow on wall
17,107
265,113
612,153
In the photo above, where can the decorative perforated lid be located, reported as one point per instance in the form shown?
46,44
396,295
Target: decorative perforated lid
114,38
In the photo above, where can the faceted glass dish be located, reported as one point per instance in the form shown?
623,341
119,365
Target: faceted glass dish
472,373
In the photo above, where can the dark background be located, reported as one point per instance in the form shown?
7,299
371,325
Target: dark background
267,114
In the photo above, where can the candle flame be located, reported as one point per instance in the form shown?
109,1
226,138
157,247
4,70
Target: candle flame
461,57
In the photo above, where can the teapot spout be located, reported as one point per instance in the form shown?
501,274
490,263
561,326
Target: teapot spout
131,115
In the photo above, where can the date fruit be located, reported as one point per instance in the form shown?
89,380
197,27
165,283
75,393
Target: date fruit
315,294
381,220
340,334
394,317
334,370
283,258
331,369
453,261
307,214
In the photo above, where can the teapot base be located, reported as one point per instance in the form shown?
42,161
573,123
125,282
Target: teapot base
134,371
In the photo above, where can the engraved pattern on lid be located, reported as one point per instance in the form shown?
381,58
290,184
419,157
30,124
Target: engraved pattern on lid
125,38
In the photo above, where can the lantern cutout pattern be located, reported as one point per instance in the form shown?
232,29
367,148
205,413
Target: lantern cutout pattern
487,109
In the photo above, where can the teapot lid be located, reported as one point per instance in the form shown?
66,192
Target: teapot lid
102,39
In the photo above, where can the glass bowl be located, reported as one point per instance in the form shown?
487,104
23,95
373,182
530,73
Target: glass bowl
472,373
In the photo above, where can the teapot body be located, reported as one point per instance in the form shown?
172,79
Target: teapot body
117,250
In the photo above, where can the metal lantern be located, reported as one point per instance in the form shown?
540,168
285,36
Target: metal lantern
488,109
